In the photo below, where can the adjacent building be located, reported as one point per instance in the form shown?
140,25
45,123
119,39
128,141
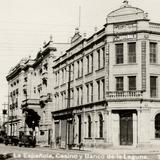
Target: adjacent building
30,86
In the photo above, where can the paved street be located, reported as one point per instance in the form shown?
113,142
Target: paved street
18,153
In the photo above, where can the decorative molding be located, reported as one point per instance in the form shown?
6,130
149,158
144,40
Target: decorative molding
107,66
143,64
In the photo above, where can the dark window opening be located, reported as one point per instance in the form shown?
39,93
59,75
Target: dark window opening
132,52
119,53
157,126
153,52
119,83
153,86
100,126
89,127
132,82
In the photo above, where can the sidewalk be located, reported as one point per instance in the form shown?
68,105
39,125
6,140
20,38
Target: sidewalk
113,150
128,150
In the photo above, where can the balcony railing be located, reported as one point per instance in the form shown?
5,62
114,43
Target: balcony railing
12,117
27,102
124,94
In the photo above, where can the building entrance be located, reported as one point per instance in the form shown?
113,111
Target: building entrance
126,128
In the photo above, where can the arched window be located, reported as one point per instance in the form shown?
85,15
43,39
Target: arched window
89,127
100,126
157,126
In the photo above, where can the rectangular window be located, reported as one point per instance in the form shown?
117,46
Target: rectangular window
91,56
119,53
62,76
98,52
87,87
119,83
98,85
81,88
103,85
132,52
91,92
81,67
65,75
89,63
103,57
132,82
72,71
72,97
153,86
153,52
100,58
78,69
91,85
78,96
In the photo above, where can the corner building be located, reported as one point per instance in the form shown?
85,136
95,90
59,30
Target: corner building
106,88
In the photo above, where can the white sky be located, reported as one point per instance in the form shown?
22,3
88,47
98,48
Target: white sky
26,24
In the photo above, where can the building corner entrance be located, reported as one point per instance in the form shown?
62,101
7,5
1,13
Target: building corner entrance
126,128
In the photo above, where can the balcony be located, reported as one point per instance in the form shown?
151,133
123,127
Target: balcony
46,97
137,94
28,102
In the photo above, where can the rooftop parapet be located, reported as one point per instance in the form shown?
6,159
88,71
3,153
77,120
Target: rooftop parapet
126,13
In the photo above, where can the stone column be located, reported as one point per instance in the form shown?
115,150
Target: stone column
76,130
135,126
138,125
115,129
152,129
105,125
109,127
143,127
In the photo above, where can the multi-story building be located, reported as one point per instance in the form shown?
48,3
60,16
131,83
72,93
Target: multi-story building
106,88
30,89
103,91
15,96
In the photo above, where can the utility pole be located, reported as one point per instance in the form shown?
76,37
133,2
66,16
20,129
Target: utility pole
12,106
68,106
25,125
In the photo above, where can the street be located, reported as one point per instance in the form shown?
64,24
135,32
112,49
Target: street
15,153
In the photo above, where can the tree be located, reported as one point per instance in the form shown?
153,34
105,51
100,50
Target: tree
32,118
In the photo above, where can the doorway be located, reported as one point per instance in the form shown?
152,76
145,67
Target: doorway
126,128
79,128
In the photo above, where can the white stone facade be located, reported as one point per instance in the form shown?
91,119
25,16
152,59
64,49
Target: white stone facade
120,94
31,83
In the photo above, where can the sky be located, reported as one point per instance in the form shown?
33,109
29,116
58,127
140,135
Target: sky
26,24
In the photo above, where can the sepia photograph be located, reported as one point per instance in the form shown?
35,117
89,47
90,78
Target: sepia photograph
80,79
